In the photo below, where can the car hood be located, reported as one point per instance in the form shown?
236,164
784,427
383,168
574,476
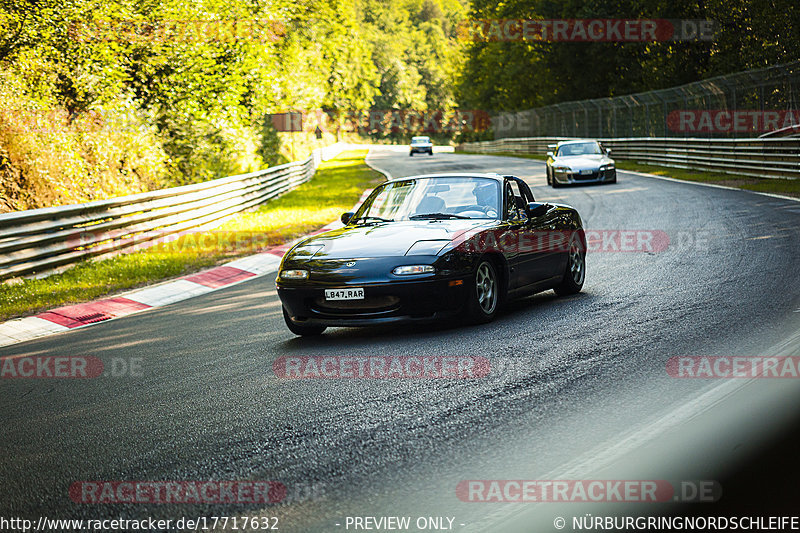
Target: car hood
581,162
384,239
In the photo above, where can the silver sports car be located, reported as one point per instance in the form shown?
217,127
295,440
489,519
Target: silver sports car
579,162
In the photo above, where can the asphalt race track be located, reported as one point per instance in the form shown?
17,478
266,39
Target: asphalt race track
576,385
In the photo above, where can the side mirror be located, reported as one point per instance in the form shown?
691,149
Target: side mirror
550,154
535,209
551,146
608,151
347,217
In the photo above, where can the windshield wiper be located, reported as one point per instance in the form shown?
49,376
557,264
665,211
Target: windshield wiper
435,216
375,219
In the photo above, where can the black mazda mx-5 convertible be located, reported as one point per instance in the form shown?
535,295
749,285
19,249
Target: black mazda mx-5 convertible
424,248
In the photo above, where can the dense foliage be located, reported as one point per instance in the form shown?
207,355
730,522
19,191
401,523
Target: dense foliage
100,98
520,75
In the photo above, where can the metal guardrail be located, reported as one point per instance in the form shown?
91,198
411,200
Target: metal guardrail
40,240
759,158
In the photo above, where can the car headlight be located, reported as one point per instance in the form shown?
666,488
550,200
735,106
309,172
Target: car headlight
294,274
607,167
427,247
562,169
308,249
408,270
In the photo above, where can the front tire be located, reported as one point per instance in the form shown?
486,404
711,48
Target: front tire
301,329
575,273
553,182
484,296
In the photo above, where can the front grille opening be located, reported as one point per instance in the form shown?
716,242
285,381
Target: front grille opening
368,304
592,176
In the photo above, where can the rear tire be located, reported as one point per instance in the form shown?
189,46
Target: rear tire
410,154
484,295
575,273
301,329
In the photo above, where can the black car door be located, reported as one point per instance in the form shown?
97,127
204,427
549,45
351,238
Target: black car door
508,237
540,243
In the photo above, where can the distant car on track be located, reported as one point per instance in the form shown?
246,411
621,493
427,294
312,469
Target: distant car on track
420,145
430,247
581,161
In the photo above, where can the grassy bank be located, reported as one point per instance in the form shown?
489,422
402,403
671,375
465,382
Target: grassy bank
337,185
785,187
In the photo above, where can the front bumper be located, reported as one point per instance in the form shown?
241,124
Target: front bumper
421,150
597,176
397,301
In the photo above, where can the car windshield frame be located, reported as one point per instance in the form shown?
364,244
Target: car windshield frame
595,144
439,197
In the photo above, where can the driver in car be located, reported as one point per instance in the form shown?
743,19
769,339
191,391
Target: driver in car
486,197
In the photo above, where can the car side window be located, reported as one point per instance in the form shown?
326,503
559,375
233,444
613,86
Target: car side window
513,202
524,192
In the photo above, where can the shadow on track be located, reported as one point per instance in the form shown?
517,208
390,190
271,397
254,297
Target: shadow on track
509,313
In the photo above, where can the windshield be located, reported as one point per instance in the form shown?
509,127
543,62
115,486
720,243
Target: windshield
432,198
419,140
587,148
